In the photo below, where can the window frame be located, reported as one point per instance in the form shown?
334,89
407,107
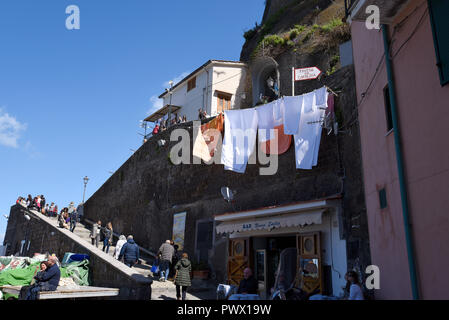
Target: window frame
191,84
444,78
221,96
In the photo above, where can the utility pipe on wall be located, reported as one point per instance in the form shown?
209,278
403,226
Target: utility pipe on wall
401,170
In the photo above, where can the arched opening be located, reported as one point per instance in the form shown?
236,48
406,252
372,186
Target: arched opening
265,80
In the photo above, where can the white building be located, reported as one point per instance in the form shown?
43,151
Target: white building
214,87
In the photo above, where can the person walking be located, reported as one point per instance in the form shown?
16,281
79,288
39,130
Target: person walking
73,216
95,233
43,202
107,232
51,210
118,247
80,212
182,276
29,201
176,258
166,251
130,252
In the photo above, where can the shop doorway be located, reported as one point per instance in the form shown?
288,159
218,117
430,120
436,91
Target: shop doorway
267,252
263,255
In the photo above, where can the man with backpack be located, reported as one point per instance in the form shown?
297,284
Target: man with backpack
130,252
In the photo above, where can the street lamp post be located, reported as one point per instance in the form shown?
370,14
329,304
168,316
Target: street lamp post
144,125
85,179
169,105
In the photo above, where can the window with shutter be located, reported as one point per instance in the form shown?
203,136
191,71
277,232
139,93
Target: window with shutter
223,102
191,84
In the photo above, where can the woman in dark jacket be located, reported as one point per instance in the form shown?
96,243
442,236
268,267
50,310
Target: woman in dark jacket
107,232
182,277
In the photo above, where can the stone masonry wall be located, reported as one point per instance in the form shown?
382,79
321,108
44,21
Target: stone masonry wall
104,270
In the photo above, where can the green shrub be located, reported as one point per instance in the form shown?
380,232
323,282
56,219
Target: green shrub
274,40
331,25
293,34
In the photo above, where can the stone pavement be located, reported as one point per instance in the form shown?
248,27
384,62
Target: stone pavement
167,290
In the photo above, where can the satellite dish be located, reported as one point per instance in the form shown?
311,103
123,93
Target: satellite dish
227,194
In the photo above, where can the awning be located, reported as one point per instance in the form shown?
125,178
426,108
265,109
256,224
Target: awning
273,222
162,112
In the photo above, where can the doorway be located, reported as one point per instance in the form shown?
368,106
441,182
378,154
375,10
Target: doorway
267,252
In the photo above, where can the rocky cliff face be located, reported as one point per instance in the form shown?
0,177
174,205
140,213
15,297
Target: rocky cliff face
304,27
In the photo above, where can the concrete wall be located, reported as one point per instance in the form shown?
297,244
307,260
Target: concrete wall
194,99
423,117
229,79
142,196
43,236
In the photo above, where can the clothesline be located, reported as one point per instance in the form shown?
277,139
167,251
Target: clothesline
300,116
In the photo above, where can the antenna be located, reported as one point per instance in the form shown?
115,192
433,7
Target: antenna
227,194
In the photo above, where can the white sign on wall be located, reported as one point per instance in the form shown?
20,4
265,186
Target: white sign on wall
311,73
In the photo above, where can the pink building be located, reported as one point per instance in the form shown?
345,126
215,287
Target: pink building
404,124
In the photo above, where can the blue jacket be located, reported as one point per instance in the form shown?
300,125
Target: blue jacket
51,276
130,251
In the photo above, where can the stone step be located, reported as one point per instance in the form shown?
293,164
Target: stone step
84,233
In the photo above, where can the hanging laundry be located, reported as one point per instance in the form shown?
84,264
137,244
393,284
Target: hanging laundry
291,112
283,142
200,147
278,113
207,139
329,116
265,118
239,138
307,141
209,133
321,96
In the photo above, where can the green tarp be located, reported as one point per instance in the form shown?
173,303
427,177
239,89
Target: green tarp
78,271
23,275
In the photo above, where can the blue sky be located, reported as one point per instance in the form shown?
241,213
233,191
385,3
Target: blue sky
71,100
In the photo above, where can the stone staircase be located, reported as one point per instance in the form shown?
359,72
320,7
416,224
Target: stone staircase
83,231
161,290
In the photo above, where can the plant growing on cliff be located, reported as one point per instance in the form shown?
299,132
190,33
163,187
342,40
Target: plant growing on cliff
251,32
331,25
333,64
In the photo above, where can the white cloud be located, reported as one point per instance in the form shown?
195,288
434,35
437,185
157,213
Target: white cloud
176,79
10,129
156,104
32,151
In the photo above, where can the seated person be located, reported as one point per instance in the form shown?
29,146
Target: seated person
354,286
46,280
249,284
